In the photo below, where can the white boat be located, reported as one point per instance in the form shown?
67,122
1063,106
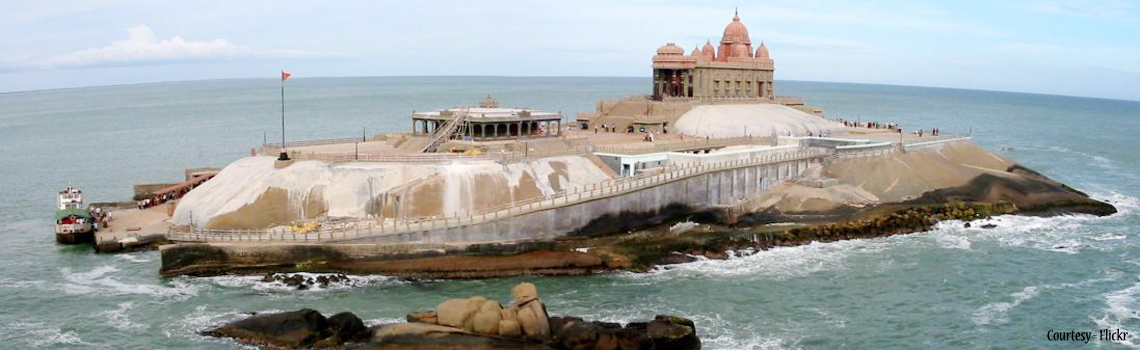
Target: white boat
73,224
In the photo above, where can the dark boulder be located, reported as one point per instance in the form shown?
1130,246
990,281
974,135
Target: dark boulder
422,336
672,332
664,332
294,329
577,335
348,328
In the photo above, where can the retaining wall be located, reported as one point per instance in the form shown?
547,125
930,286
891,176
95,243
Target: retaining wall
690,194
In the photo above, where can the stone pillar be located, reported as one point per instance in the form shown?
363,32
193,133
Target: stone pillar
685,84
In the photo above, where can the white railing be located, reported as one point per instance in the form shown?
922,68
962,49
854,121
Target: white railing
919,145
388,227
685,145
865,150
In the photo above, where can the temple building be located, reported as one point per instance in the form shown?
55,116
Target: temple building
487,122
731,70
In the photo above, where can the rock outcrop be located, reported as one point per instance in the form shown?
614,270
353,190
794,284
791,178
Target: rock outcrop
295,329
470,323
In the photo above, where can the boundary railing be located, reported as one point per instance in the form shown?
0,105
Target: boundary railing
317,142
925,144
390,226
865,150
683,145
432,157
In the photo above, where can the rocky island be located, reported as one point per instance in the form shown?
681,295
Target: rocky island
711,161
471,323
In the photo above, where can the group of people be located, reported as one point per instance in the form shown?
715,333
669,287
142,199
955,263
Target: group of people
889,126
933,132
100,217
156,200
869,125
607,127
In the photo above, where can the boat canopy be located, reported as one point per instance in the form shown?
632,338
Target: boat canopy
72,211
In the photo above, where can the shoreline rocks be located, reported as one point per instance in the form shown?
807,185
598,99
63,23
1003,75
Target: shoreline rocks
470,323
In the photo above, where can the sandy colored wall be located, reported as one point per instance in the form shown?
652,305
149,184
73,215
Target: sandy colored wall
252,193
698,192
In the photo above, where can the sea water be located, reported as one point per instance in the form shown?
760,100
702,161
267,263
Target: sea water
953,287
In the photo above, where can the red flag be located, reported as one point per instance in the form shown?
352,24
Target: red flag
284,75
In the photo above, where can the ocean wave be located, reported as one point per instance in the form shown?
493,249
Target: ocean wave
1099,161
119,319
1067,234
256,283
953,241
38,335
134,257
101,280
203,318
995,313
1122,312
1125,205
383,320
751,343
719,333
779,262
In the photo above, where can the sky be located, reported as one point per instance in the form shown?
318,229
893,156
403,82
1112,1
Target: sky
1076,48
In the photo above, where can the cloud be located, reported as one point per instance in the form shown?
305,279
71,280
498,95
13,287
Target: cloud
142,46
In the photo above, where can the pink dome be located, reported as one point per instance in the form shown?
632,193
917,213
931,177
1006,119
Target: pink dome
762,51
708,51
670,49
735,32
696,52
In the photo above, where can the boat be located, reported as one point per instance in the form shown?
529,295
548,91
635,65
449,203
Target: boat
73,224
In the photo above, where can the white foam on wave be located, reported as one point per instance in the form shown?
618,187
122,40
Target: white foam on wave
719,333
38,335
102,280
780,262
256,283
119,319
1099,161
383,320
952,241
1122,312
1109,237
751,343
204,318
1065,233
1125,205
997,313
134,257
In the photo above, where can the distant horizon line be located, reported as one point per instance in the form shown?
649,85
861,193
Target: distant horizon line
540,76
